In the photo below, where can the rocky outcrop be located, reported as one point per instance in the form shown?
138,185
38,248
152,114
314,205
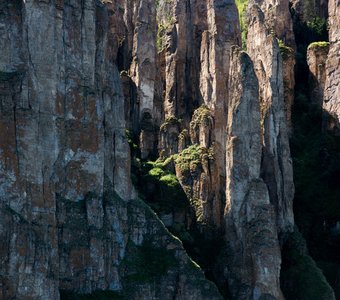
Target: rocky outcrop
278,19
316,59
288,61
277,169
307,10
195,40
331,104
140,18
254,266
66,218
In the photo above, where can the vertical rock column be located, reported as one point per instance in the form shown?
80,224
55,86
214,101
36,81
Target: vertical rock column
143,67
277,169
222,33
253,250
331,103
316,59
279,21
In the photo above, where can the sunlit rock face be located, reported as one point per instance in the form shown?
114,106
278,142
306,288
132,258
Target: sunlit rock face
264,51
251,229
316,58
331,104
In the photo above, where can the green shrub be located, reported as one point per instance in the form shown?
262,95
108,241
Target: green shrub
317,26
242,11
285,50
319,45
192,157
170,121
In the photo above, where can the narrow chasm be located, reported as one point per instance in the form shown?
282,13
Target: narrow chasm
316,162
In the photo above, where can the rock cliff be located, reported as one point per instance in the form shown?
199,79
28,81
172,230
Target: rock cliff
332,85
67,221
208,126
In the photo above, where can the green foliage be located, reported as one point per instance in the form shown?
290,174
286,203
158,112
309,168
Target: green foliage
301,278
192,156
201,116
158,186
310,31
170,121
242,11
162,30
317,25
316,161
319,45
285,50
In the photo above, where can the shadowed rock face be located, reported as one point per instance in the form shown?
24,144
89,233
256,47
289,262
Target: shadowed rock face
307,10
332,86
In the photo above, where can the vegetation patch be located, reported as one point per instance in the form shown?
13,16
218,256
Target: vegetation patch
191,157
316,45
201,116
242,11
317,25
163,29
285,51
163,190
170,121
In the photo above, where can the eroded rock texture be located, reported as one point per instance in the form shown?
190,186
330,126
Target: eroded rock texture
279,22
332,87
251,229
277,169
74,75
196,38
278,19
67,222
316,59
307,10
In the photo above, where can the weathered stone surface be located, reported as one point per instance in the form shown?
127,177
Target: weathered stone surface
307,10
332,86
277,169
288,61
278,19
196,38
64,156
254,258
140,18
316,59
